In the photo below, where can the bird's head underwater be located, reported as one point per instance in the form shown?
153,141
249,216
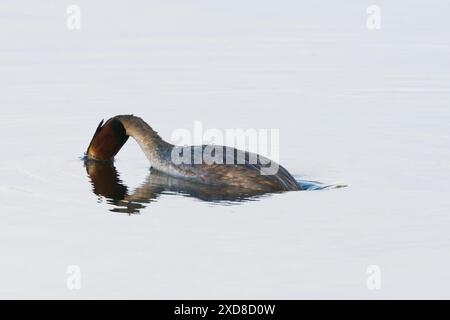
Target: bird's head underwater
108,139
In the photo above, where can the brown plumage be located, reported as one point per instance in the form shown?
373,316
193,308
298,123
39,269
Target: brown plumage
109,139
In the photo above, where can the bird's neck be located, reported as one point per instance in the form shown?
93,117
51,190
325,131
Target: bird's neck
154,147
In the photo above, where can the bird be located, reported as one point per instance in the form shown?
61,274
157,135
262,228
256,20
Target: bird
230,167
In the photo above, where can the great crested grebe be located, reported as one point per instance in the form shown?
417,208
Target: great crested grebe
242,171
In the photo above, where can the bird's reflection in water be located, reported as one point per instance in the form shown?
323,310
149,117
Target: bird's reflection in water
106,183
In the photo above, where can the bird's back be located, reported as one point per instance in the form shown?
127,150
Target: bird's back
218,165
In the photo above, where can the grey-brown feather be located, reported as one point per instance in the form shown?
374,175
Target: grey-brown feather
243,171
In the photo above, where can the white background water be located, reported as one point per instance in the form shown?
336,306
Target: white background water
368,108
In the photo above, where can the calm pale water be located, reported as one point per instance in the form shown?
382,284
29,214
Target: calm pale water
366,108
